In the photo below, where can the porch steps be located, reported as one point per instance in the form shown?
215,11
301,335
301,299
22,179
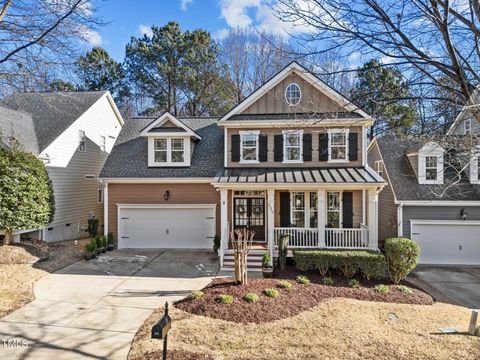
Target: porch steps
254,260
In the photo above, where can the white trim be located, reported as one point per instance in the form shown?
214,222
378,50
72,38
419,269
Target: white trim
299,186
345,131
285,94
105,209
169,163
290,132
305,75
191,180
475,169
377,163
163,119
225,148
437,203
443,222
430,149
364,146
389,183
257,142
400,220
318,123
166,206
340,203
462,113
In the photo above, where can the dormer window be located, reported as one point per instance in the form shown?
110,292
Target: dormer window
431,168
249,146
293,94
467,126
169,151
430,164
338,145
292,146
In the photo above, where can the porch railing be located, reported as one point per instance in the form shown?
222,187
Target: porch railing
334,238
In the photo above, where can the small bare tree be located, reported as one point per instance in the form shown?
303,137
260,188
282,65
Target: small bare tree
241,240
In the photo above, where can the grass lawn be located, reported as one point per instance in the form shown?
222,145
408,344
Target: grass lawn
335,329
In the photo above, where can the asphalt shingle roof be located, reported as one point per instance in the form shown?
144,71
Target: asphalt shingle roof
404,182
129,158
52,112
19,125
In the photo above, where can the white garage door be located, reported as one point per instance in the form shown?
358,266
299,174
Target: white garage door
174,227
447,242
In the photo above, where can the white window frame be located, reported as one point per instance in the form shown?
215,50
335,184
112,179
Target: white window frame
257,135
285,146
100,193
475,168
430,149
340,207
299,90
338,131
379,167
103,143
306,209
467,130
169,163
82,141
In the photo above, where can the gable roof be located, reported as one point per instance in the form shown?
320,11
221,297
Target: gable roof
52,112
179,128
475,99
19,125
404,181
307,76
129,158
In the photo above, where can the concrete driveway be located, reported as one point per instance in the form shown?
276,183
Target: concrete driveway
459,285
92,310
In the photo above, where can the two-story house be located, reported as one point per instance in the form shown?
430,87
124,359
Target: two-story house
73,133
290,159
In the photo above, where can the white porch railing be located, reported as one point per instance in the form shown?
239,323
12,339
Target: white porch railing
334,238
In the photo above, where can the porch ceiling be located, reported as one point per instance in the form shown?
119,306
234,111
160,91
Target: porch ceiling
344,175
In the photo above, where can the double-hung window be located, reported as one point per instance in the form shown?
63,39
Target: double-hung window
338,145
467,126
304,209
333,209
298,209
431,167
82,141
161,150
177,150
169,151
292,146
379,167
249,146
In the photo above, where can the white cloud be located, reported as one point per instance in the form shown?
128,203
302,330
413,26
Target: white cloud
354,56
221,34
385,59
235,12
184,4
92,37
145,30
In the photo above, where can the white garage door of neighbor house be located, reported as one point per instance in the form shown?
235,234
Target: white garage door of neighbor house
447,242
186,227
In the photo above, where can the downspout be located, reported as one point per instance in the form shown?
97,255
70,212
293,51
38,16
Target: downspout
400,220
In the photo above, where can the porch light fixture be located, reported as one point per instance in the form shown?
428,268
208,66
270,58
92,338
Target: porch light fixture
166,195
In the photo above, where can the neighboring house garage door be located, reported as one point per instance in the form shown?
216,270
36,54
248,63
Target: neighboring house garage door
447,242
166,226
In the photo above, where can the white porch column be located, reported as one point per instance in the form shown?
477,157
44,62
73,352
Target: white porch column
223,222
321,217
271,221
372,219
105,209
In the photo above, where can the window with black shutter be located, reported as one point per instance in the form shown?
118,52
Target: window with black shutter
353,146
323,147
235,140
307,147
278,148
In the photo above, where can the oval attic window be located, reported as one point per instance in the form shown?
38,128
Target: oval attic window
293,94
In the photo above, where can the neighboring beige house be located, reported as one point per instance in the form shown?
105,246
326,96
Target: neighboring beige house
290,159
73,133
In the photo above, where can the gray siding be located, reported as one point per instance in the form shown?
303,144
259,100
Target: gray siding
436,213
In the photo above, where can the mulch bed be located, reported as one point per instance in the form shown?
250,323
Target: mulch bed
291,302
173,355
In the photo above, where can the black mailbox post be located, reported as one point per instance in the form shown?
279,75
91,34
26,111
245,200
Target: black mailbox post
161,328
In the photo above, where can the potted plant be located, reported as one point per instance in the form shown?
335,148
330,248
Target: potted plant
99,241
110,243
267,268
283,251
93,247
216,243
88,253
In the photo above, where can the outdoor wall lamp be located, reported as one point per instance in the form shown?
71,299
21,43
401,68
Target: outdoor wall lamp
463,214
166,195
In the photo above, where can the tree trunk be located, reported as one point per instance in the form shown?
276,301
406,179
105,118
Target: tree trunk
8,240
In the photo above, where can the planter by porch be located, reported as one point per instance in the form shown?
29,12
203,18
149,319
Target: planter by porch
110,247
88,256
267,272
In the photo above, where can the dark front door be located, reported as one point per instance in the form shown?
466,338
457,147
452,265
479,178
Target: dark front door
250,213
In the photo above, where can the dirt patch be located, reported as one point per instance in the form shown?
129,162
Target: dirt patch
173,355
26,252
335,329
291,302
61,254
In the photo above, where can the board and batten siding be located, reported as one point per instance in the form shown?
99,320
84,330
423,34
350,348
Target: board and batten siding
154,194
387,209
436,213
75,196
271,132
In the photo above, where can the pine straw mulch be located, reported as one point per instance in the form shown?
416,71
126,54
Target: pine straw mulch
291,302
172,355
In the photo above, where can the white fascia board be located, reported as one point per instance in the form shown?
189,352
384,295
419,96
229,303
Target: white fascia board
445,222
191,180
320,123
166,116
305,75
115,108
384,168
437,203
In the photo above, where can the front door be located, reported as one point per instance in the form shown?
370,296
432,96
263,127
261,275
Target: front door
250,213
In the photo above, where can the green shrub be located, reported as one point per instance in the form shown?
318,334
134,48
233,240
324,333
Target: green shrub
266,261
328,281
93,227
371,264
197,294
89,248
382,289
251,298
225,299
284,284
99,241
477,331
93,245
110,238
404,289
283,251
273,293
355,284
303,280
402,257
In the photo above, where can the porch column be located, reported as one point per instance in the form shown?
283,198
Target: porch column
372,219
271,221
105,209
321,217
223,223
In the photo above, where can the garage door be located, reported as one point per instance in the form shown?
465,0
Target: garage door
447,242
174,227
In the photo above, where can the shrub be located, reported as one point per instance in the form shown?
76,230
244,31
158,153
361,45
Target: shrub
404,289
251,298
225,299
266,261
371,264
99,241
355,284
93,245
197,294
328,281
382,289
284,284
477,331
110,238
89,248
283,251
272,293
303,280
402,257
93,227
